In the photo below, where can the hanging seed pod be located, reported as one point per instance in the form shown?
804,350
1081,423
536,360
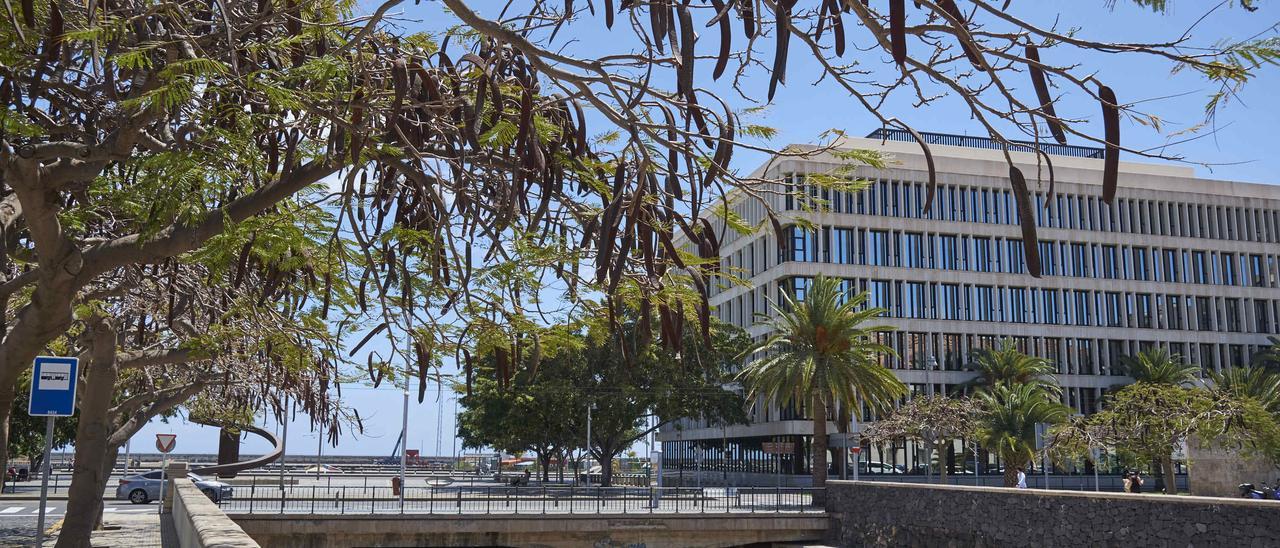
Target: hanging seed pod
608,14
658,24
535,357
898,31
749,22
29,13
684,75
779,73
1111,158
953,10
375,373
1030,243
928,160
382,326
1042,93
837,31
726,36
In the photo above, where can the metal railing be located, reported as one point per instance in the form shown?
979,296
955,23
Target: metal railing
985,142
535,499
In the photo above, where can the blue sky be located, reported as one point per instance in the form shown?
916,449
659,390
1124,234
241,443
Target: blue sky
1243,149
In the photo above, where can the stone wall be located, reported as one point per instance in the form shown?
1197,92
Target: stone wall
1218,472
560,530
200,523
897,514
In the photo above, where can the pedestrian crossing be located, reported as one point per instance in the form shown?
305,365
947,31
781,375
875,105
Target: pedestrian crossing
23,511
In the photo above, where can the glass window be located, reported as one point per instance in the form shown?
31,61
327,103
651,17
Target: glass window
982,260
877,247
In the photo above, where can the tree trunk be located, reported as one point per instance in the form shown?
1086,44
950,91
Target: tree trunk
544,461
606,470
820,413
1170,481
1010,473
89,478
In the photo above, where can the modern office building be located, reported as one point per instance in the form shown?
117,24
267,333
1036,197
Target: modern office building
1177,261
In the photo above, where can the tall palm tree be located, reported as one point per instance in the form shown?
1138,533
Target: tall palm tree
1007,365
1252,382
1158,366
820,352
1269,357
1008,426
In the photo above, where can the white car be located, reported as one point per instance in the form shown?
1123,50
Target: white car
144,488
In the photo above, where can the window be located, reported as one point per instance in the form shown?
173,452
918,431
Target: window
1173,311
1257,273
1204,314
843,246
1200,270
1114,312
982,260
1050,306
913,250
1017,305
1228,269
983,303
878,295
804,244
877,248
949,303
1140,269
949,250
1017,259
913,300
1143,309
1232,307
1170,266
1110,264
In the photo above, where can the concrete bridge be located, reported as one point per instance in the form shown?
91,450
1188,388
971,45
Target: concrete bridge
585,530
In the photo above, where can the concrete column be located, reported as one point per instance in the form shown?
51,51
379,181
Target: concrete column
174,470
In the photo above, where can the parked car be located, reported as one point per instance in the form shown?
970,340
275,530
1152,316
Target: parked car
883,468
144,488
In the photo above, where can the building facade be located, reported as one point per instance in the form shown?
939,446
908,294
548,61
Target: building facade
1180,262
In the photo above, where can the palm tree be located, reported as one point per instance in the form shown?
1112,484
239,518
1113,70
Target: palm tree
821,353
1008,426
1158,366
1006,365
1250,382
1269,357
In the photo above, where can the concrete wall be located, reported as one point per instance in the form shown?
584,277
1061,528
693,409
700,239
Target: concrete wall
887,514
200,523
1217,472
566,531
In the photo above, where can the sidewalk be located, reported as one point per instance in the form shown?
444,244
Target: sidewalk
136,531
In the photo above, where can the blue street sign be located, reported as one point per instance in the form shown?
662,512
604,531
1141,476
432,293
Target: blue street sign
53,387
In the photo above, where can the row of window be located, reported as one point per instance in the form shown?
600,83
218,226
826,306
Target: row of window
897,248
1034,305
1061,210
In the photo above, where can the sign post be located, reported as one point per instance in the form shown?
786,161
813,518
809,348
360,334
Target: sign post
53,394
164,444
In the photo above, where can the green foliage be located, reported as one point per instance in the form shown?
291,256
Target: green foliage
1256,383
544,407
1156,365
823,346
1007,366
1010,415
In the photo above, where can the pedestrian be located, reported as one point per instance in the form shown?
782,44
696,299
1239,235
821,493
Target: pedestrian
1022,478
1135,482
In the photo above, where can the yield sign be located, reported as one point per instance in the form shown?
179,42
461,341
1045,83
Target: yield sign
165,442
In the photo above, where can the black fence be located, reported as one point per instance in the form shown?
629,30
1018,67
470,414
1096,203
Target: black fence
519,500
985,142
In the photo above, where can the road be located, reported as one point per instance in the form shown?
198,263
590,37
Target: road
18,517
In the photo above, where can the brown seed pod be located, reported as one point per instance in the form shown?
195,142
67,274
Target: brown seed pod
898,31
1111,158
950,7
608,14
1042,93
779,72
1030,243
928,160
684,74
382,326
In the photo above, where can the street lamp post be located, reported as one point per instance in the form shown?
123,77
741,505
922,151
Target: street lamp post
590,406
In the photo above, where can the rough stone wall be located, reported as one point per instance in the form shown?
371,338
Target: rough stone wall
1217,472
889,514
